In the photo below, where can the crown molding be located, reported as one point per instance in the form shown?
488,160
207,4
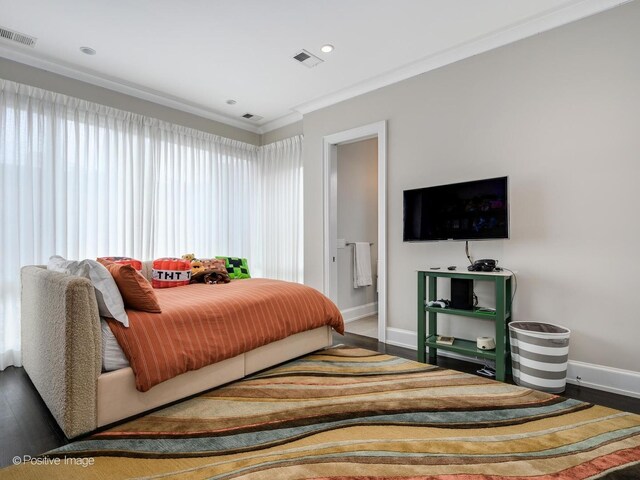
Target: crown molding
283,121
512,33
122,86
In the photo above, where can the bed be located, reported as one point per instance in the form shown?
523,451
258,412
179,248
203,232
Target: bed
62,343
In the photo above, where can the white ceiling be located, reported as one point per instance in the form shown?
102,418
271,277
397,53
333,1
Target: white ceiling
196,54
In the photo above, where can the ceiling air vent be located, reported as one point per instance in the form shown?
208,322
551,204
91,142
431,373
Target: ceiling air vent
17,37
307,59
252,117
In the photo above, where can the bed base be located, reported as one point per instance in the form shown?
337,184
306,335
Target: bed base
62,354
119,399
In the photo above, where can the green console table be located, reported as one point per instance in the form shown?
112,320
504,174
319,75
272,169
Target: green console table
428,281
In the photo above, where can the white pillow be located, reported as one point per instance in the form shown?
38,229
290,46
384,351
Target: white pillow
109,299
113,358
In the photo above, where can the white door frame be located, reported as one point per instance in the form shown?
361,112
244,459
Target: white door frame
330,149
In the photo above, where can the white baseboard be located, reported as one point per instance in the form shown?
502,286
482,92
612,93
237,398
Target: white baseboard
599,377
361,311
609,379
402,338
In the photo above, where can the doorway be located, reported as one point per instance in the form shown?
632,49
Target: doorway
355,211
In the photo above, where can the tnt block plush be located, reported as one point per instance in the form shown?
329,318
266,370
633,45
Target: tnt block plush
171,272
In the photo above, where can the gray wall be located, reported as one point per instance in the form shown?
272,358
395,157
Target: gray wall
18,72
558,113
357,208
281,133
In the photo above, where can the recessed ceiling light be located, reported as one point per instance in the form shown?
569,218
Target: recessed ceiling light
88,50
231,102
327,48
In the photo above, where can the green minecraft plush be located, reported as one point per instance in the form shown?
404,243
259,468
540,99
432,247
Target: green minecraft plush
236,267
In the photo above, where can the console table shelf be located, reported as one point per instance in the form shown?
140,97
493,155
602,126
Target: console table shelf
428,291
464,347
475,313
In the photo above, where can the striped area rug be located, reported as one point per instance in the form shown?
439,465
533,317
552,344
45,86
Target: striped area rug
348,413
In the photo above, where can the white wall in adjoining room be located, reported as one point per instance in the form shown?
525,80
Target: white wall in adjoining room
558,113
357,214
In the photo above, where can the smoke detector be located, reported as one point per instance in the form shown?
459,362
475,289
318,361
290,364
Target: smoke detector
307,59
252,117
17,37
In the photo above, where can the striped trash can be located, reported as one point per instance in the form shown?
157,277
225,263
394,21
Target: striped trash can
539,354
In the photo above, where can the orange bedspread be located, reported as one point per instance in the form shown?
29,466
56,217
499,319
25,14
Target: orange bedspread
204,324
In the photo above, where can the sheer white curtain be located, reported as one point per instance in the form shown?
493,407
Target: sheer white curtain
231,199
206,190
74,178
280,252
84,180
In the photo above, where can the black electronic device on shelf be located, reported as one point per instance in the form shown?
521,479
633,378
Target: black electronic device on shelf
484,265
462,294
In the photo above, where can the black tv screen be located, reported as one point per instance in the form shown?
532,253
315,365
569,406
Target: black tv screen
477,210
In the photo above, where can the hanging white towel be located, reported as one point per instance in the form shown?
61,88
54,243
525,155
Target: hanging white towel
362,264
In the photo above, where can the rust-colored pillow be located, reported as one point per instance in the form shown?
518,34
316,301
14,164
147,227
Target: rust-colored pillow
137,264
136,290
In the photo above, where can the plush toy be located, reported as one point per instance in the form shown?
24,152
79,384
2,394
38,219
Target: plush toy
196,267
214,278
213,263
170,272
189,256
211,271
236,267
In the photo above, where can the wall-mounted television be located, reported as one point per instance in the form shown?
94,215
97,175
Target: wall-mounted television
477,210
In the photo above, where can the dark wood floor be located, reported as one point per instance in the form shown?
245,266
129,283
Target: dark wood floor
620,402
27,427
